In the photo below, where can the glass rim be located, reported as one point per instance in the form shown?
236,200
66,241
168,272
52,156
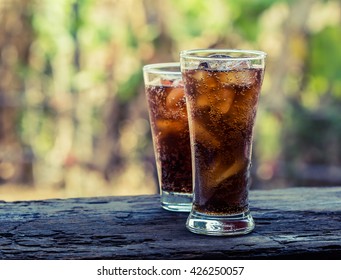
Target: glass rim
251,54
162,68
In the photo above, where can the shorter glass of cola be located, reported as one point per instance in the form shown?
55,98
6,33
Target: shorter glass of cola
222,88
169,126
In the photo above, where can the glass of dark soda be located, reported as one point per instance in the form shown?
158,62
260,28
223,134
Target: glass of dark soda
170,133
222,89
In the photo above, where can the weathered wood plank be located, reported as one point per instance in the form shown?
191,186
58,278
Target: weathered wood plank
291,223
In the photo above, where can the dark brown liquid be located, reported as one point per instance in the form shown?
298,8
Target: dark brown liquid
223,107
169,123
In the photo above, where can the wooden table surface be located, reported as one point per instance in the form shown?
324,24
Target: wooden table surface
292,223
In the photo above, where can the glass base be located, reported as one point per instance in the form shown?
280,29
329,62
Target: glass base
174,201
220,225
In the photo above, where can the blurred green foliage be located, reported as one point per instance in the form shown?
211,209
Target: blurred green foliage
71,76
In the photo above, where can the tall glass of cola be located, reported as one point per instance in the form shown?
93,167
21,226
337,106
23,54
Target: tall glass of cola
222,88
170,132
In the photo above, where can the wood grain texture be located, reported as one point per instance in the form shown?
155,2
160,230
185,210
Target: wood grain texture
295,223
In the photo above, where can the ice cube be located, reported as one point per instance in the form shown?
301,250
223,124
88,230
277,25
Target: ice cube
225,65
211,80
178,83
219,171
204,65
166,126
242,64
202,101
224,100
156,82
205,137
205,79
238,77
208,64
247,77
200,75
166,82
175,99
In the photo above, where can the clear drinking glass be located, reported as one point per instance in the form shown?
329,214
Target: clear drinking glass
222,89
169,125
